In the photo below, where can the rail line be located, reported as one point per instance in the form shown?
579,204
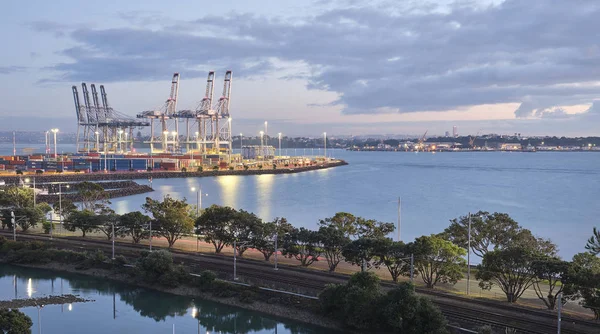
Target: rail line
315,281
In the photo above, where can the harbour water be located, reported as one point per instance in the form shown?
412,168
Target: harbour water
555,194
120,308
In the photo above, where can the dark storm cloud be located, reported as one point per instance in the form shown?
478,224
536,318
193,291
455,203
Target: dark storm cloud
377,59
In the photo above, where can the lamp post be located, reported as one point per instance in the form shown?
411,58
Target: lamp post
126,140
97,141
261,143
39,308
267,132
174,133
47,147
279,135
55,150
59,206
197,145
241,146
166,133
469,258
120,141
198,208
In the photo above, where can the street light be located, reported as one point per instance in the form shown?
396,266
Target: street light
198,207
279,134
166,133
126,141
59,207
267,131
120,141
197,139
174,133
97,141
261,143
55,150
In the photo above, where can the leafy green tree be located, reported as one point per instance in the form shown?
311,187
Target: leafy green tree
86,221
489,231
438,260
106,218
243,229
67,208
585,282
395,255
302,244
92,195
343,221
370,228
332,242
553,273
135,224
172,218
158,267
363,252
511,268
214,224
13,321
593,244
404,311
16,197
263,239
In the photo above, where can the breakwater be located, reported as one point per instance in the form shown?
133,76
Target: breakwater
101,176
117,189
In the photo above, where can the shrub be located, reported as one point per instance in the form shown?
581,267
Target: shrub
215,167
19,172
274,166
246,167
206,279
47,226
230,167
77,171
119,261
247,296
157,267
39,171
199,169
183,169
259,166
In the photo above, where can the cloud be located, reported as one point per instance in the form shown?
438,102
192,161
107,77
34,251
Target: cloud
463,54
11,69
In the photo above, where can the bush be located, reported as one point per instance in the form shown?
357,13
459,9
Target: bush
206,279
77,171
230,167
158,267
183,169
247,296
487,329
119,261
199,169
47,226
215,167
39,171
246,167
274,166
19,172
14,321
259,166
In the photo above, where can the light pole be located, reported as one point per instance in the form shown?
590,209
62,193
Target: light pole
14,225
174,133
97,141
230,140
126,140
198,208
267,132
55,150
261,143
279,135
166,133
241,146
120,141
59,206
325,144
39,308
469,258
559,311
197,139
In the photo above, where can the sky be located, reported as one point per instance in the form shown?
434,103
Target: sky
345,67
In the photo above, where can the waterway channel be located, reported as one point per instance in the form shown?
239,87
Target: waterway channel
122,308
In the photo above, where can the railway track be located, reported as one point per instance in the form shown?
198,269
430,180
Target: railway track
312,282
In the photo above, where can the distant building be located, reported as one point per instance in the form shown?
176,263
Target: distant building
254,152
510,147
455,131
447,134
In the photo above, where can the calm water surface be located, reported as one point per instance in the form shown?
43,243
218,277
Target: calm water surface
119,308
556,195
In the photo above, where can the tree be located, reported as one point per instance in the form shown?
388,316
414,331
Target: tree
243,228
511,268
585,282
92,195
64,208
214,224
406,312
302,244
488,231
13,321
134,224
395,255
363,252
438,260
593,244
86,221
550,272
332,242
263,239
108,221
172,218
16,197
371,228
343,221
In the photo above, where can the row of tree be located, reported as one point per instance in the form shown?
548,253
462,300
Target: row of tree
511,256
